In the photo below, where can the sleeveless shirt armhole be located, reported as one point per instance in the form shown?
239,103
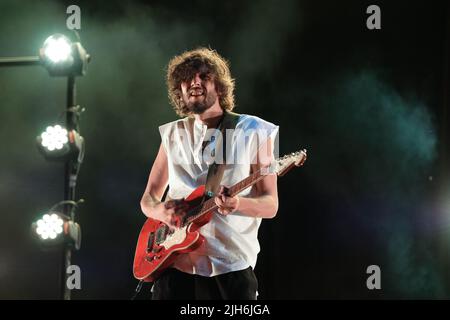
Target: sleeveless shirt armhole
273,135
163,132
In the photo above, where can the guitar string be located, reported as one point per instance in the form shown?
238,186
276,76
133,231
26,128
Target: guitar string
253,178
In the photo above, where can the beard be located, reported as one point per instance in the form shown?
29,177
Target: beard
198,107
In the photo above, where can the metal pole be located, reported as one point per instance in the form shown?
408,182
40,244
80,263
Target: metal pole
71,168
19,61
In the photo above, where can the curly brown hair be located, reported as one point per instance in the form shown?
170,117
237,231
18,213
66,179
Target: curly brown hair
184,67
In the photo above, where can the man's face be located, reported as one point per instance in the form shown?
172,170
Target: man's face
199,94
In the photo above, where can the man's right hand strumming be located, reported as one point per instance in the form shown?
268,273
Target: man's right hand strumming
170,212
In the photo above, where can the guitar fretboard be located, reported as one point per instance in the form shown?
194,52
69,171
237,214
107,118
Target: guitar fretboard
210,205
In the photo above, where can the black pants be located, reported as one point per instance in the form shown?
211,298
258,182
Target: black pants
176,285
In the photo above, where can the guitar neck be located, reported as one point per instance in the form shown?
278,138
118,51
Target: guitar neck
210,205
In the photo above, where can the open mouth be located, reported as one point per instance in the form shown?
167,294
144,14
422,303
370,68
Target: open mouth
196,93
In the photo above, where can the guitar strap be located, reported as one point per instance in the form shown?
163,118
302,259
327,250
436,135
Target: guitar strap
216,170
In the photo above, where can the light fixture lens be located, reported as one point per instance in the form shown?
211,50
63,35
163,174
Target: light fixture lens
54,138
57,48
49,227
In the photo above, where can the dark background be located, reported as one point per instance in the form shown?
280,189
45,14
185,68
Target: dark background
371,107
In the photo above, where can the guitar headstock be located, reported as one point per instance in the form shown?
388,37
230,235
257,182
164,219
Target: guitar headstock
282,165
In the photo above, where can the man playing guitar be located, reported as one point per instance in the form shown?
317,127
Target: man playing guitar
201,91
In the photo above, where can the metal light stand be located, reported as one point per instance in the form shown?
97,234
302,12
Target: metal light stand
70,180
71,166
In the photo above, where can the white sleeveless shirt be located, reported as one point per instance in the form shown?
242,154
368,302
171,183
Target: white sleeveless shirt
232,240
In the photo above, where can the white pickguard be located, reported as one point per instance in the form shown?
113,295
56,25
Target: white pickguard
175,238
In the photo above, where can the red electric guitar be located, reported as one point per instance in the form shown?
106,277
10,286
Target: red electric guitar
158,246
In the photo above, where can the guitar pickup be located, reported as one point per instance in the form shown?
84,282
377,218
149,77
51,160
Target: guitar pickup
151,239
161,233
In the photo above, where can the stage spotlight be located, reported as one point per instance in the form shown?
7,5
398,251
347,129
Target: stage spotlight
53,228
54,138
63,57
50,226
57,49
56,143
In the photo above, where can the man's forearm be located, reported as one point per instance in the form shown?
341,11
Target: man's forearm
149,202
264,206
